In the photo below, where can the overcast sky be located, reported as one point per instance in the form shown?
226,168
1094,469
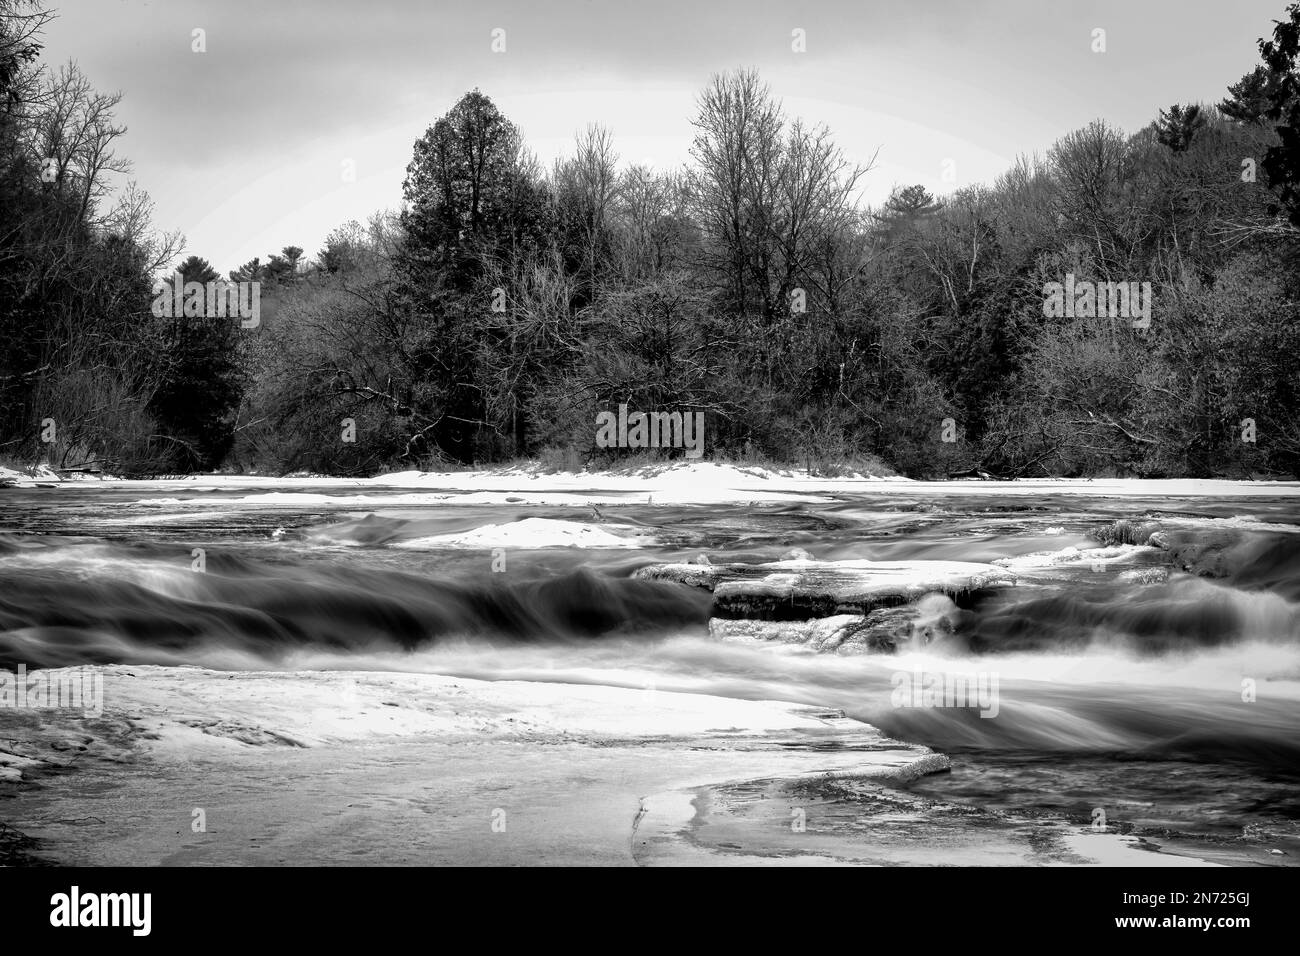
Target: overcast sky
242,147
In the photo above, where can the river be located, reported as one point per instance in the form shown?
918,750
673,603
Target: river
1168,696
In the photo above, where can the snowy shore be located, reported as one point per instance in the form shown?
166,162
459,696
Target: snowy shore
680,483
188,766
382,768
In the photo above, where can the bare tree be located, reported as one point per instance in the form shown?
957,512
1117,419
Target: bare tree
769,197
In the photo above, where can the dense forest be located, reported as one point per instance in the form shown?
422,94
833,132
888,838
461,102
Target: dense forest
504,304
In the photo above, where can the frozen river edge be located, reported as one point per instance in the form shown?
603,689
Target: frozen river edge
187,766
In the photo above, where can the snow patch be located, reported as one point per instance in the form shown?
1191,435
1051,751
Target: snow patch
1117,554
536,533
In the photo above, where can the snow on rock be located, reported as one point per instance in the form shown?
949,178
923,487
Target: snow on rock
803,589
1144,576
819,633
883,630
1248,554
1097,558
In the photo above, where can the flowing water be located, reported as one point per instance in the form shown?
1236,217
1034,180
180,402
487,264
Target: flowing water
1170,699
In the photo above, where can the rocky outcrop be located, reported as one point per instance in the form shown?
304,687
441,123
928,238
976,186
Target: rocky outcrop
1246,554
806,590
883,630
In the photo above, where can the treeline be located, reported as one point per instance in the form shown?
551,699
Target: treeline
507,304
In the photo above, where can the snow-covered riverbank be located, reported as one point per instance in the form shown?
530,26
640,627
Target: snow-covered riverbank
187,766
375,768
679,483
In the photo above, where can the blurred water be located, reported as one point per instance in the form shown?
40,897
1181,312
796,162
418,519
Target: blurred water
1114,691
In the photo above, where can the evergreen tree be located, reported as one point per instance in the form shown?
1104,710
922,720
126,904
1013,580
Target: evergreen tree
200,384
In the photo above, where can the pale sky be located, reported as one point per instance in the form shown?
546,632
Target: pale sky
243,146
